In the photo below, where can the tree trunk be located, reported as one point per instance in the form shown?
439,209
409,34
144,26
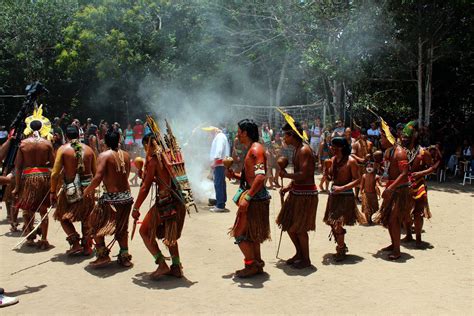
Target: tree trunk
279,89
329,97
428,84
420,81
338,99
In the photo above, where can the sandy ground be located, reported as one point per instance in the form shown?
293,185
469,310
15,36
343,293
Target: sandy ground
438,280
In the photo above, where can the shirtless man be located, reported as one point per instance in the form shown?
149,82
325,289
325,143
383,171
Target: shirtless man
341,207
360,149
252,225
420,165
76,162
111,214
34,159
165,220
397,201
298,213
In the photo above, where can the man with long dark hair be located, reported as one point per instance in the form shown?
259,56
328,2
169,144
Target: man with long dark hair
252,226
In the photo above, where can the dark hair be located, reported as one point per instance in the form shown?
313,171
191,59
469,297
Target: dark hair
147,138
363,131
249,126
92,129
341,142
287,128
72,132
112,139
36,125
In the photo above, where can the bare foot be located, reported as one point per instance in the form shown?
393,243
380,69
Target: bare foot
162,269
305,263
419,244
100,262
75,250
43,245
248,271
293,259
30,243
388,248
394,256
125,260
176,270
406,239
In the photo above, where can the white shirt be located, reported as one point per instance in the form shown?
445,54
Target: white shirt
220,147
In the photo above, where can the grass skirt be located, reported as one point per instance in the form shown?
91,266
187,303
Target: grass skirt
34,192
104,221
254,225
78,211
298,214
168,230
399,204
370,204
342,209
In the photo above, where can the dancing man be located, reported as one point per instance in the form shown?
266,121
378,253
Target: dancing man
252,226
397,201
298,213
33,164
76,162
165,220
111,213
420,165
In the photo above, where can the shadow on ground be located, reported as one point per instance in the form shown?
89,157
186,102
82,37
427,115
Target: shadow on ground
166,282
412,245
255,282
107,271
289,270
328,259
384,256
70,260
26,290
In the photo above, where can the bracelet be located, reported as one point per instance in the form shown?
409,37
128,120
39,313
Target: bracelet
135,208
247,197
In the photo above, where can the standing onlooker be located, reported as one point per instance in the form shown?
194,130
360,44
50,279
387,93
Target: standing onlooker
338,130
219,150
315,135
138,133
77,123
373,134
129,137
267,134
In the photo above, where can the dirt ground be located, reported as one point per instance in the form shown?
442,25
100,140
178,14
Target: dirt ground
436,280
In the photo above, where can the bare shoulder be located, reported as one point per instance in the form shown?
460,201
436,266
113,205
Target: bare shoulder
305,150
351,161
257,149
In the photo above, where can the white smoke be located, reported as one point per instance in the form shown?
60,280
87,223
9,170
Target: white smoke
187,114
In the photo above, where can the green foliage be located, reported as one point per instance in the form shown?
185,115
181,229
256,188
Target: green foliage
96,55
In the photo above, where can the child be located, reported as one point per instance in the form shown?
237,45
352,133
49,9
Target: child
368,184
